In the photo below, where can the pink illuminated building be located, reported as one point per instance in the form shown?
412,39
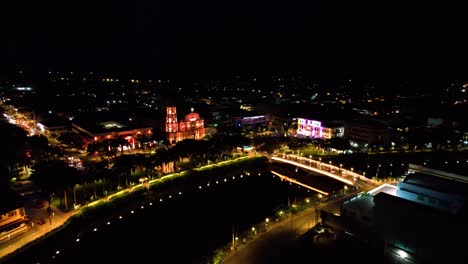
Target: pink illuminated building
315,129
192,127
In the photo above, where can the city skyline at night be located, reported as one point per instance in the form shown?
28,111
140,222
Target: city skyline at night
233,131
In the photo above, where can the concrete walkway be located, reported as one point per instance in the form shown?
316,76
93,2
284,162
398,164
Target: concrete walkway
35,230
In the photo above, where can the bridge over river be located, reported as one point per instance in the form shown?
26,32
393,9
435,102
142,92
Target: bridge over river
348,177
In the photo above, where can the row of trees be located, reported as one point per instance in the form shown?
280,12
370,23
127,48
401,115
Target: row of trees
271,143
20,150
57,177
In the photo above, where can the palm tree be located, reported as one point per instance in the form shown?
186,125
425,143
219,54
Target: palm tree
99,170
165,156
150,162
123,167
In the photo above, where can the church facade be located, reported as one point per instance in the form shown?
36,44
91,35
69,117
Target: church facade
192,127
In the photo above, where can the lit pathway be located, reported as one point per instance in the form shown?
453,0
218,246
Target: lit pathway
269,247
37,231
344,175
60,219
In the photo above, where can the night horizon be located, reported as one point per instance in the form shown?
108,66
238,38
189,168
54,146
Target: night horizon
181,40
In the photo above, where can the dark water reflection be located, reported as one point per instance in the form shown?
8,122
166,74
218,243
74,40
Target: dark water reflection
182,229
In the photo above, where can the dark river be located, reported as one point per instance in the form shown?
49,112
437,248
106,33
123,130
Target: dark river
184,228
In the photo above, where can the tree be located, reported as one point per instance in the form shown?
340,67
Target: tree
230,142
120,142
144,140
54,176
39,146
123,167
13,149
339,144
160,137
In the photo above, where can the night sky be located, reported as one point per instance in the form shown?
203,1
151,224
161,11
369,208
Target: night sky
321,38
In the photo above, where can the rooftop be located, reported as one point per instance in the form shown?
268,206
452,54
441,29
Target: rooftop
102,123
436,183
368,122
10,200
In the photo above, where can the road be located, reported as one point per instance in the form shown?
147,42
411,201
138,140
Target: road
35,231
276,244
267,248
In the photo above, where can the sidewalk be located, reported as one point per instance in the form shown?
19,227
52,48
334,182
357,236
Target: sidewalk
35,230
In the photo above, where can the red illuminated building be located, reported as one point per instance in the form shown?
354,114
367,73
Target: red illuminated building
192,127
99,131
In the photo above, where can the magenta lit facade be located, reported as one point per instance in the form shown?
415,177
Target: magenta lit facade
313,129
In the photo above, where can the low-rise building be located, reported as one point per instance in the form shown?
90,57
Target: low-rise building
13,218
251,122
414,221
367,132
54,127
319,129
100,129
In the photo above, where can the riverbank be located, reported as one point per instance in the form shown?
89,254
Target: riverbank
114,202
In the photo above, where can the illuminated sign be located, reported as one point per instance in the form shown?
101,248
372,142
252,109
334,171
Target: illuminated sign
253,117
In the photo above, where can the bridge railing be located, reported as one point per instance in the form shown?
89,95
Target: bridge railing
317,164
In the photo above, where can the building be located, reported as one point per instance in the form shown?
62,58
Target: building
317,129
417,221
367,132
192,127
54,126
13,218
97,130
251,122
434,188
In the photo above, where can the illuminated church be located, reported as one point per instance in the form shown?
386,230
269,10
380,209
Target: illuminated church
192,127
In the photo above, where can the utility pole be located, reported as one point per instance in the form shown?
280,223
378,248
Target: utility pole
233,238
